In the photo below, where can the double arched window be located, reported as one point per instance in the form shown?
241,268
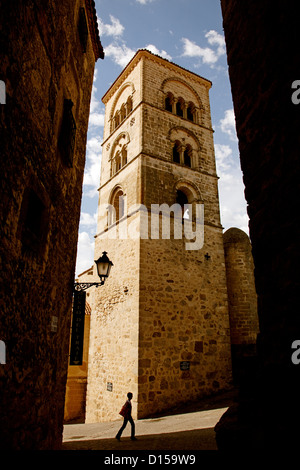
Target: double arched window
178,106
121,114
119,160
182,154
119,153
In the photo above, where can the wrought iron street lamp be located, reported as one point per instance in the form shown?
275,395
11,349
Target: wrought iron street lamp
77,337
103,269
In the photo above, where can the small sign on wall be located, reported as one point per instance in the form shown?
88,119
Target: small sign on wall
185,365
109,386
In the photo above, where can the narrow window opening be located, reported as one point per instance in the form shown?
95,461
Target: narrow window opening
124,156
181,199
123,112
66,142
168,103
190,113
83,29
176,152
129,105
179,108
119,205
187,156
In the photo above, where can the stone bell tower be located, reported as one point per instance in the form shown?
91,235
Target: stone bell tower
160,324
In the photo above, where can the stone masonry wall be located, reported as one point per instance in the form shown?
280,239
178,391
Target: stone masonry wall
183,295
42,65
242,300
113,354
242,296
183,317
163,305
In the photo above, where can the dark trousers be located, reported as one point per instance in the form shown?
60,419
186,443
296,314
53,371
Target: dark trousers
128,418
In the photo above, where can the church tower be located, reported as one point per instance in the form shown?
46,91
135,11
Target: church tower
160,324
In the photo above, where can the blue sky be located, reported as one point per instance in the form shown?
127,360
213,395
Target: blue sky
190,34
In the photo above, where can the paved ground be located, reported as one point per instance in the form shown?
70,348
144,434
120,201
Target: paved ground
187,428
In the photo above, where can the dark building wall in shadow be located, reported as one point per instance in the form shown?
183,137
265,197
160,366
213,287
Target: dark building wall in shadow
48,76
261,41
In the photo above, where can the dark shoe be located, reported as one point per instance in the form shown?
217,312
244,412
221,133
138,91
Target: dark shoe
118,439
133,438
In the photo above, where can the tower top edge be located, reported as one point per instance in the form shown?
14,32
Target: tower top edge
145,53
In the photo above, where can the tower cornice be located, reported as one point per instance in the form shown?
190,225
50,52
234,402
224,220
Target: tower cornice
142,54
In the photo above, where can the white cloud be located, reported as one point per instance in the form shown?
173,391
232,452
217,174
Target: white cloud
156,51
115,29
96,119
94,102
85,252
120,54
215,38
191,49
233,206
88,220
144,2
92,170
227,124
206,54
238,218
93,146
224,159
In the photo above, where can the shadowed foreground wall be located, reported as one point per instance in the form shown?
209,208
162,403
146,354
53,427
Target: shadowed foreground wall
242,298
43,139
263,60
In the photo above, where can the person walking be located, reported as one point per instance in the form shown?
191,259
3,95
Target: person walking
126,413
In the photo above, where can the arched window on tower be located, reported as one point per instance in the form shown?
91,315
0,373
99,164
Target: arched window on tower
182,199
118,204
190,112
117,119
169,102
188,156
118,161
124,155
123,112
179,107
128,105
176,152
119,153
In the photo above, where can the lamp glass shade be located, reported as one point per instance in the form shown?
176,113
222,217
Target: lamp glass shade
103,265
